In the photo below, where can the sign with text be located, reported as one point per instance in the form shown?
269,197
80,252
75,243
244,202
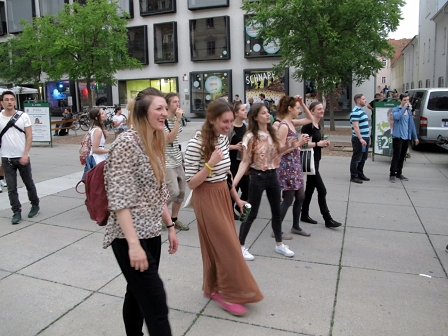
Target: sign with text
382,126
39,113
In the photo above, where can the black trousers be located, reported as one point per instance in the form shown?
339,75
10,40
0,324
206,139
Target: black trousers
400,147
358,158
316,182
145,296
259,182
10,167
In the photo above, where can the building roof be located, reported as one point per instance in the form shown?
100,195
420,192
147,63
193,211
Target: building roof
398,45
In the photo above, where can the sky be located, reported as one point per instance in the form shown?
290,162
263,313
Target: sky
408,27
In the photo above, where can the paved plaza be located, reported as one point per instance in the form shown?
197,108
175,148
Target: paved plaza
384,272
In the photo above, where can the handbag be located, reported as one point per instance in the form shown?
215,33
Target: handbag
307,161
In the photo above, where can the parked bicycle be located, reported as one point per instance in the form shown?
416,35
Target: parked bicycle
83,121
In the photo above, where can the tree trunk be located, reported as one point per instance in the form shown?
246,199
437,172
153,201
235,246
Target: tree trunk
331,109
89,92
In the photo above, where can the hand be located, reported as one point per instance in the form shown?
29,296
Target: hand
240,204
216,157
24,160
363,142
239,146
304,139
179,113
138,258
299,99
416,142
174,243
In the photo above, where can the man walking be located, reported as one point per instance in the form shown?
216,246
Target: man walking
175,175
16,139
360,139
404,130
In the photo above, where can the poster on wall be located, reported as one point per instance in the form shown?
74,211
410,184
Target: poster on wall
382,128
255,46
265,81
40,120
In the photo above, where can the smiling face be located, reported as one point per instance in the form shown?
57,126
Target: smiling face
102,115
157,113
223,123
318,111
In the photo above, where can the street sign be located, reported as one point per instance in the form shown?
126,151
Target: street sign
382,120
39,113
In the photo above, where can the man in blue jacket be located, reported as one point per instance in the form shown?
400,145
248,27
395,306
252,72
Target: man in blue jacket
404,130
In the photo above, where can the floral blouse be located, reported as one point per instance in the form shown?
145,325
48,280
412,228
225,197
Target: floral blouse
130,183
263,152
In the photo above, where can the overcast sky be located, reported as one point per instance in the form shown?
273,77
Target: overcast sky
408,27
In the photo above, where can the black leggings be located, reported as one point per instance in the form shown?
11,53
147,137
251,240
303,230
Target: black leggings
288,197
316,182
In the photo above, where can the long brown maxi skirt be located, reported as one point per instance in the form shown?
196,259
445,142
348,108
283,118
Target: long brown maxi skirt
225,270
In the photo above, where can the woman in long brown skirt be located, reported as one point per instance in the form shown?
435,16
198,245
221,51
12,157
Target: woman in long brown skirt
227,278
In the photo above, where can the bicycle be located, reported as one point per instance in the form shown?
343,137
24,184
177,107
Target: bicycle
108,123
83,121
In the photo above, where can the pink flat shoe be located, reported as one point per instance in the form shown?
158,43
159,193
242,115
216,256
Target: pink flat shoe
233,308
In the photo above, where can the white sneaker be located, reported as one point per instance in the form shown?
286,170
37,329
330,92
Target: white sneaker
284,249
246,254
3,183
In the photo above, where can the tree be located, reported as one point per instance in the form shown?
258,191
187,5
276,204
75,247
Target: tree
83,42
328,41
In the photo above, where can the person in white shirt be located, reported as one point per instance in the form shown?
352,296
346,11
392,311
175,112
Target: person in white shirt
15,146
119,120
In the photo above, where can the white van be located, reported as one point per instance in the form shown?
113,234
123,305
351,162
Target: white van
430,107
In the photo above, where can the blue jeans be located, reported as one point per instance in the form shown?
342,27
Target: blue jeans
10,166
359,157
259,182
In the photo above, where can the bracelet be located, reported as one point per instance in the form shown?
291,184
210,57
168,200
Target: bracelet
170,226
209,168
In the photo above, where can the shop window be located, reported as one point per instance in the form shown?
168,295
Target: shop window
265,81
101,94
209,39
202,4
427,83
127,90
165,42
138,43
18,10
153,7
255,46
440,82
205,87
51,7
342,96
3,25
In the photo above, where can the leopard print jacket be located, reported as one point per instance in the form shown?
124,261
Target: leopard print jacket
130,183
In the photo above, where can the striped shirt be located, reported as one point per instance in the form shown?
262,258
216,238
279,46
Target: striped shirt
173,156
360,116
194,160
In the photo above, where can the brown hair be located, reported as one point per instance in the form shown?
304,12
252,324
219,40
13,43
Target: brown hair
170,96
404,95
253,124
95,119
216,108
236,106
153,140
285,102
357,97
314,104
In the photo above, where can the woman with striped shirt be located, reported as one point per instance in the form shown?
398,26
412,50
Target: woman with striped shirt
226,276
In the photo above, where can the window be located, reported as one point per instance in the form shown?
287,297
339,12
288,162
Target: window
384,62
407,86
209,39
127,90
342,95
201,4
126,6
420,84
265,81
138,43
205,87
383,80
444,41
440,82
255,46
3,26
428,83
438,101
81,2
429,50
165,42
51,7
412,85
153,7
17,10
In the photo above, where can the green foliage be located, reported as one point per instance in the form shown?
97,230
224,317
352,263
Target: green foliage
326,40
85,42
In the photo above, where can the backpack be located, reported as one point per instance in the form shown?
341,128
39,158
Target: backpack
84,151
96,197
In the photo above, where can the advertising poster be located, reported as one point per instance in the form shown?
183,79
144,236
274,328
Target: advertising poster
382,128
256,46
40,121
265,81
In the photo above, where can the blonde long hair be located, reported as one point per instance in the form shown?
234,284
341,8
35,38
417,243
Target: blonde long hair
153,140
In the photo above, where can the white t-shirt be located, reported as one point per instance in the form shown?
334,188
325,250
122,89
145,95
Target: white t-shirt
118,119
14,141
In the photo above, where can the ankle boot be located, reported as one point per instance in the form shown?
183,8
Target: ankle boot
307,219
331,223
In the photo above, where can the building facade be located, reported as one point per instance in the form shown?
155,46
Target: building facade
202,49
